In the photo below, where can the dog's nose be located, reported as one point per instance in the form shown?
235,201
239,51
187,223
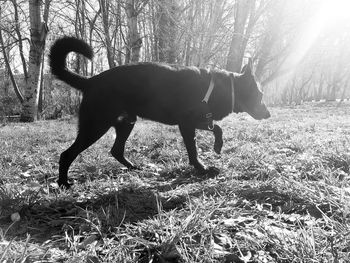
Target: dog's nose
266,111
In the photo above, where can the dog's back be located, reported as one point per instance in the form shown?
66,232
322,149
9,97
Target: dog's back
153,91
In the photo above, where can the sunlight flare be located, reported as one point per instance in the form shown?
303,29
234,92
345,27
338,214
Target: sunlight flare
331,15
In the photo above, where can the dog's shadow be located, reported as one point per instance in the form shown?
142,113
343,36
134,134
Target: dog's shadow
114,208
182,176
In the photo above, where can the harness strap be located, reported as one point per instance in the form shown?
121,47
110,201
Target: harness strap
232,77
209,115
210,90
211,87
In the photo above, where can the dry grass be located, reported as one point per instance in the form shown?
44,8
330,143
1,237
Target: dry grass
283,194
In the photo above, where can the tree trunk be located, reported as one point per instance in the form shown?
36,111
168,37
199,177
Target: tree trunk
134,40
9,70
42,77
80,32
167,31
41,87
238,43
104,6
20,43
6,83
215,12
345,89
38,32
189,37
120,36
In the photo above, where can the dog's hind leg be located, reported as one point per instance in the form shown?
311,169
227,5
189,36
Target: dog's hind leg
123,130
89,132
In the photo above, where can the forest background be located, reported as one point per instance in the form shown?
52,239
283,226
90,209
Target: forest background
300,48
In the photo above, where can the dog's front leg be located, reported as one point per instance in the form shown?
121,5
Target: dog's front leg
217,131
188,132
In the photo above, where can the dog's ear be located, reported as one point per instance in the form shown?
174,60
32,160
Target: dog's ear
247,69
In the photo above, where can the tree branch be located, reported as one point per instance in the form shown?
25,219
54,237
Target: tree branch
8,66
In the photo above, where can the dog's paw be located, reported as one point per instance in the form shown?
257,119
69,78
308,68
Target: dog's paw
199,166
213,171
134,168
209,171
64,185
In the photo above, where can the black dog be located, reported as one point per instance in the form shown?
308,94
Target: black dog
189,97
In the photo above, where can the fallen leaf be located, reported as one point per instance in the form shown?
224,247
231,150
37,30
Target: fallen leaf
222,240
34,185
87,241
26,174
232,258
239,221
92,259
15,217
91,169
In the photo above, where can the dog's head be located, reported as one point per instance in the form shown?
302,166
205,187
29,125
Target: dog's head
248,96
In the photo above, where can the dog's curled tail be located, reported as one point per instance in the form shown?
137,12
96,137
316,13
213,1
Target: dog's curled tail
58,54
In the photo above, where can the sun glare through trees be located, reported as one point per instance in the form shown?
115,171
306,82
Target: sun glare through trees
328,26
268,183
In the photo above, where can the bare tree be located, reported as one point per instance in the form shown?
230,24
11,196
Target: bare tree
80,32
214,33
243,11
4,48
38,32
19,38
272,34
167,31
134,38
105,10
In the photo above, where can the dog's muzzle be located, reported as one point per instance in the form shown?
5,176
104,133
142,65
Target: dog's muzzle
260,112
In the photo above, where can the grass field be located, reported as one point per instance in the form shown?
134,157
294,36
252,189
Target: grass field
283,193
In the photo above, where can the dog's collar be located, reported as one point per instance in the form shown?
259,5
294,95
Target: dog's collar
211,87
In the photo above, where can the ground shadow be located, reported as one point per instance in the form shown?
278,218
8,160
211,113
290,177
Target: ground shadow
127,205
182,176
112,209
276,200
